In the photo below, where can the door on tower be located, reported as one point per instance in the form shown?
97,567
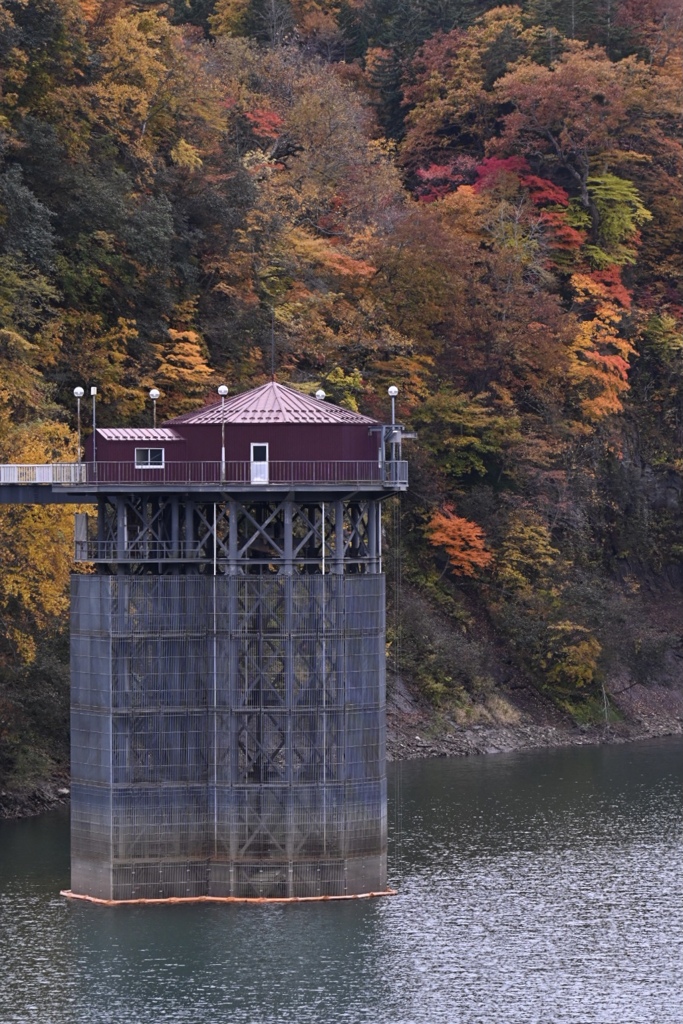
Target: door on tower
259,464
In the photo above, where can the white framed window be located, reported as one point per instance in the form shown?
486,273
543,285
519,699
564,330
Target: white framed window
149,458
259,463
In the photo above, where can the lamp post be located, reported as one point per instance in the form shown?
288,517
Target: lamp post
392,392
78,394
154,395
93,395
223,391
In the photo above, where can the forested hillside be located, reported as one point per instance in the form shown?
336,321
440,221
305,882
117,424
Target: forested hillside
482,204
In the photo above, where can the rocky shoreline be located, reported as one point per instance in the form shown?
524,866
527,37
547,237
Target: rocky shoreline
50,794
521,720
464,742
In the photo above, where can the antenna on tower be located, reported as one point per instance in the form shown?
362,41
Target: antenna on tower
272,343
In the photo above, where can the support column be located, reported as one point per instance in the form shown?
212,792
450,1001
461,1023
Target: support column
289,728
232,539
338,563
101,525
288,538
121,529
190,539
372,536
234,584
289,689
175,527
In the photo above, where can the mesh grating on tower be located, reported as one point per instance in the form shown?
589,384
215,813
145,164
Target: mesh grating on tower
228,735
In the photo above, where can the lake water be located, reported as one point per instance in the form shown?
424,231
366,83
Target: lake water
535,888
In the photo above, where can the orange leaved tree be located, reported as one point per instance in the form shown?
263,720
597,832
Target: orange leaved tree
462,540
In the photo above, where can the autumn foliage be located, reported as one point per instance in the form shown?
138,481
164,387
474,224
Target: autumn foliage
480,203
462,540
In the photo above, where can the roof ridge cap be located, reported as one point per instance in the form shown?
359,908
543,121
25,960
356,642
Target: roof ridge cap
276,387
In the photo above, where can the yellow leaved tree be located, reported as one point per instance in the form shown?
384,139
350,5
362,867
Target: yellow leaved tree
600,353
36,546
182,373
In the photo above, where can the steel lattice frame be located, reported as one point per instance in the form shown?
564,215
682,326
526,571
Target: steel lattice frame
164,533
228,698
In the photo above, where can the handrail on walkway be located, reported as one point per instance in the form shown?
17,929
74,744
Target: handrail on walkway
46,473
274,473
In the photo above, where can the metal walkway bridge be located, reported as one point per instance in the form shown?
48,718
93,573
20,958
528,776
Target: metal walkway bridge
72,482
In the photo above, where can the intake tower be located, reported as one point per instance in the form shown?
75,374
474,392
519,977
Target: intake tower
228,652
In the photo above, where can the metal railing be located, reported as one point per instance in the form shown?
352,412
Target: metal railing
50,473
243,473
140,550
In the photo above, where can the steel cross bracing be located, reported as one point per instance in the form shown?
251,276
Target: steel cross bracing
138,533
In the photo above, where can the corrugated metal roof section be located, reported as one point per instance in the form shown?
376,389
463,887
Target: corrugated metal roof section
273,403
138,434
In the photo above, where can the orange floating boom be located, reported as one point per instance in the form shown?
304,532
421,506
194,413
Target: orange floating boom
224,899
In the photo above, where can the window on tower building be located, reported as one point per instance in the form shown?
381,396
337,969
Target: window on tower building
149,458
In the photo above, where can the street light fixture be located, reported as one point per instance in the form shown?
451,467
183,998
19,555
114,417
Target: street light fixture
154,395
78,394
392,392
223,391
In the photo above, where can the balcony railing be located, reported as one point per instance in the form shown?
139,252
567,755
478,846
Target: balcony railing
243,474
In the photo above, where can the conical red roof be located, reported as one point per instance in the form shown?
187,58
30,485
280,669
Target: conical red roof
272,403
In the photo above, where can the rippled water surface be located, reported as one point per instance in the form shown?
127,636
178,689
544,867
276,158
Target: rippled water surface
534,888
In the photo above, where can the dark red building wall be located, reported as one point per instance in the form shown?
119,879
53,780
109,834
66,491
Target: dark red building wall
287,442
